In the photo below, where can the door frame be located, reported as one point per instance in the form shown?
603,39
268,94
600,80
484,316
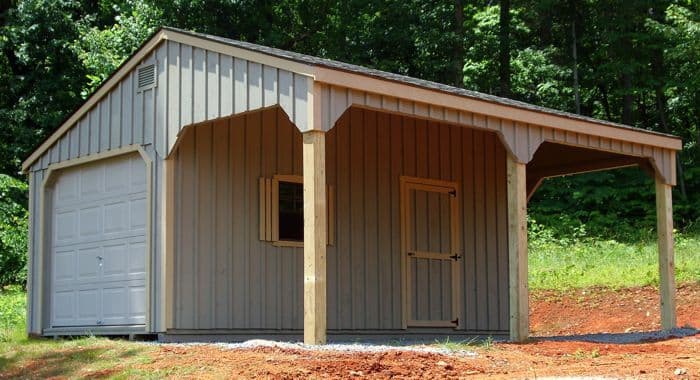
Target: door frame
408,183
43,286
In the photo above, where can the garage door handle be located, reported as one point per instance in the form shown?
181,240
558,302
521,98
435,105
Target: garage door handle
99,258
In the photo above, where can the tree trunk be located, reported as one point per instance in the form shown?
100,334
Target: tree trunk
577,96
606,102
627,99
458,58
504,53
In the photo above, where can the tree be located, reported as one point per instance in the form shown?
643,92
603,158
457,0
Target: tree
504,49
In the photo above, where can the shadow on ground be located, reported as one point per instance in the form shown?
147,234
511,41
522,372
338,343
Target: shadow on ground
624,338
69,362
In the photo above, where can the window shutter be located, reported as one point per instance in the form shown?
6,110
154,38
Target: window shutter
265,209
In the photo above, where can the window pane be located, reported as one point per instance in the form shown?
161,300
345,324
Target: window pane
291,206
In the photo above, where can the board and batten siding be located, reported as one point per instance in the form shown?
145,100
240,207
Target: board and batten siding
226,278
193,85
521,139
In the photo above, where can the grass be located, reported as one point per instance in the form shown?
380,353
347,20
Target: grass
13,313
586,262
554,265
466,344
21,357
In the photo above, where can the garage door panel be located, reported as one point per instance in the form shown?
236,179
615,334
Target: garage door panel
90,221
116,216
137,303
114,264
66,226
99,244
88,264
124,304
137,216
67,188
115,304
138,176
64,307
91,181
137,266
65,266
88,305
117,180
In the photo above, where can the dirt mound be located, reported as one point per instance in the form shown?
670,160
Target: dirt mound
573,313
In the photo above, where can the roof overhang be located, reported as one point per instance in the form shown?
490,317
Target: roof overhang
347,76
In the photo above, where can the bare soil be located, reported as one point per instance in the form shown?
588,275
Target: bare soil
621,314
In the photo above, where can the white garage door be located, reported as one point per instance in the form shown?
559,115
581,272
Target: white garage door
98,247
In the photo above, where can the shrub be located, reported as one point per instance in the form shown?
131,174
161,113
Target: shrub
13,231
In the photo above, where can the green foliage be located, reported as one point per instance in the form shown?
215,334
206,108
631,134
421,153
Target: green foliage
101,51
41,78
636,63
616,204
580,260
13,231
13,311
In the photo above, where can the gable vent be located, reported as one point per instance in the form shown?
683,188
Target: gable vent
146,76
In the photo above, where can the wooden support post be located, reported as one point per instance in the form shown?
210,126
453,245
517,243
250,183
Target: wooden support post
517,250
315,224
168,264
667,277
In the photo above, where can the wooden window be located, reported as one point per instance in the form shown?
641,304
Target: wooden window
282,211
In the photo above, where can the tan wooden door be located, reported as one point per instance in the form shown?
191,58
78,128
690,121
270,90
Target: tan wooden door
431,249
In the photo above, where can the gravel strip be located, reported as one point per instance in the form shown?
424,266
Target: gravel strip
334,347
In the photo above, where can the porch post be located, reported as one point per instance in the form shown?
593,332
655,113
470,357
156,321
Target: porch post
517,249
315,224
667,277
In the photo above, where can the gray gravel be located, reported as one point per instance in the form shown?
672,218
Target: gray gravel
340,348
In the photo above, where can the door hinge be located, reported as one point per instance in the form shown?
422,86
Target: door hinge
411,253
456,257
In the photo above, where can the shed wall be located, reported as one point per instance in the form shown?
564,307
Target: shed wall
193,85
226,278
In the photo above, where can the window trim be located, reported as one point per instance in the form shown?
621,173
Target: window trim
275,210
269,210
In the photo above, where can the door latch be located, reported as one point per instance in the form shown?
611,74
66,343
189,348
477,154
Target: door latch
455,321
456,257
453,193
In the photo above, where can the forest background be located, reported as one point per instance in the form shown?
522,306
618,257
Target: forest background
635,62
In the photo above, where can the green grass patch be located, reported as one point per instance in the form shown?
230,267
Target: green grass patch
581,261
21,357
13,312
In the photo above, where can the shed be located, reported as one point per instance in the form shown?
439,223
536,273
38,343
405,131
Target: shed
217,187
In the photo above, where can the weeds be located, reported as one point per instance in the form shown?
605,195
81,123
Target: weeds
12,314
581,261
466,345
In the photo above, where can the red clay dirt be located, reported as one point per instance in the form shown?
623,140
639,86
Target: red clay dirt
577,312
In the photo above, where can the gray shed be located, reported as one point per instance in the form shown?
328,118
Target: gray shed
212,186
